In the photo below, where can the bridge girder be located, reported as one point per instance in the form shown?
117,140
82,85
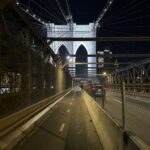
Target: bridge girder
136,76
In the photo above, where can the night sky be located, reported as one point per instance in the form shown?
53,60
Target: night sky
124,18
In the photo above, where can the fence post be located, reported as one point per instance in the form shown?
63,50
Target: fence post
123,104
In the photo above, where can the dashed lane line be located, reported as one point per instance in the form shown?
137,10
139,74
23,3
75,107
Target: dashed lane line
117,101
68,110
62,127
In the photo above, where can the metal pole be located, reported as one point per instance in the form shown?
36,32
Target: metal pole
123,104
72,83
103,99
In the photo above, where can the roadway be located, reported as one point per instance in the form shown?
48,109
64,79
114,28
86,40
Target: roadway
137,113
67,127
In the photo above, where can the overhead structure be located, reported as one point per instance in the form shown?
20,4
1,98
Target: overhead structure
63,13
136,76
103,12
69,17
103,39
78,31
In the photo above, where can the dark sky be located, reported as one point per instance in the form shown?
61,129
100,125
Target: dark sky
124,18
85,11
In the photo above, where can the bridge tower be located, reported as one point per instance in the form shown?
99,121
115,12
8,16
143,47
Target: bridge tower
74,30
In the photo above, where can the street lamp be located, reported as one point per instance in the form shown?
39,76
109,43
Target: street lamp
105,73
17,3
69,58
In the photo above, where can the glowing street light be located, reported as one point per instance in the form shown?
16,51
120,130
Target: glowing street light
105,73
68,57
52,87
17,3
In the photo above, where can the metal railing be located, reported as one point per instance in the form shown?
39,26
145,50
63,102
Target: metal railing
130,109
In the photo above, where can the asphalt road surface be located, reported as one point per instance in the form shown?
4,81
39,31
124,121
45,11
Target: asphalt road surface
68,127
137,113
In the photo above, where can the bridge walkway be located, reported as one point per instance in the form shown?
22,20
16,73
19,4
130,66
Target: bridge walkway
67,127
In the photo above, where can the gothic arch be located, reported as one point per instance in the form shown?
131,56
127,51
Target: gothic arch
62,51
81,56
78,45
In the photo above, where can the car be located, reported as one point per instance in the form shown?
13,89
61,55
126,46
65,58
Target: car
99,91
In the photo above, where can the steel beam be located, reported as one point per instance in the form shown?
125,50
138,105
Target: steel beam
105,63
27,22
102,39
86,67
114,55
142,62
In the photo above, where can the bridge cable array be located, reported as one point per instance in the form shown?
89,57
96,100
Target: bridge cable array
103,12
62,11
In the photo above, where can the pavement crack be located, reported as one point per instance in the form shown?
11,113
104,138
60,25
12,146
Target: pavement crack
49,132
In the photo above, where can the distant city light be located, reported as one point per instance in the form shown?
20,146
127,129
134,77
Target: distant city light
52,87
106,50
100,52
143,72
68,57
104,73
99,26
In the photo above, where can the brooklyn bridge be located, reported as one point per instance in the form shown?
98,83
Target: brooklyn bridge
74,75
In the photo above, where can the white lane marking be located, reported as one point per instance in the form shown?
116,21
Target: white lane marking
68,110
62,127
54,103
139,99
117,101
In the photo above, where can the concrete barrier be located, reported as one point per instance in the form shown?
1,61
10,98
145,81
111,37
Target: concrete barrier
111,135
13,128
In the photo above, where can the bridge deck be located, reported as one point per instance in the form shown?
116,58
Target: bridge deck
68,126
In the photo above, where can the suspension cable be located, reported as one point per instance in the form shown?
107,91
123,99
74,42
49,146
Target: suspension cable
69,11
62,11
103,12
44,9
